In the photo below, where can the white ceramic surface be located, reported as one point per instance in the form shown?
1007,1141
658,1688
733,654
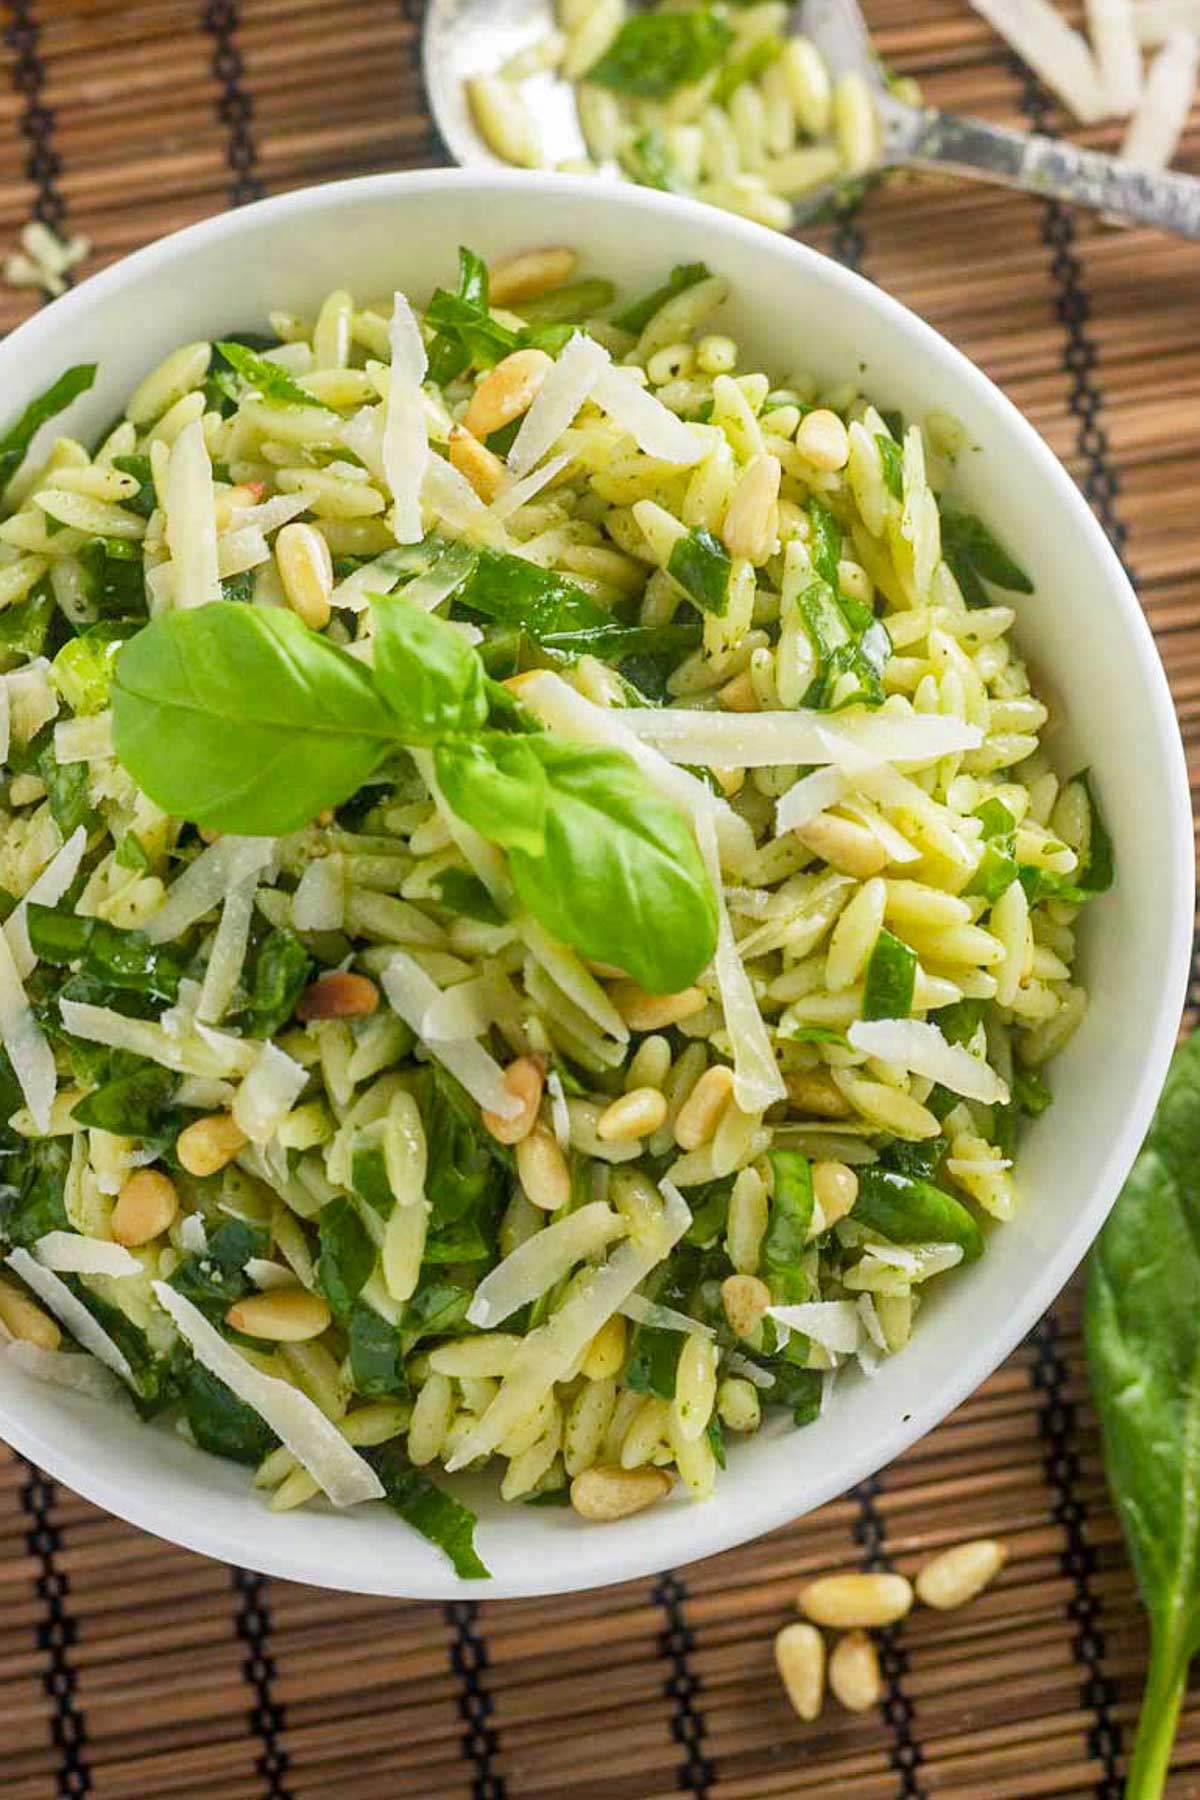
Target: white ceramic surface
1084,632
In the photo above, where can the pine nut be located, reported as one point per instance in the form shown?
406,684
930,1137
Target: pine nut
814,1091
506,392
533,272
822,440
284,1315
543,1169
306,571
846,1602
745,1300
207,1145
481,466
602,1494
605,1355
145,1207
800,1659
835,1186
738,695
26,1320
525,1081
854,1677
956,1575
752,520
700,1114
844,845
652,1012
633,1115
339,995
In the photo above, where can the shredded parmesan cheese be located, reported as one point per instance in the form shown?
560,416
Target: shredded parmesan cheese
28,1050
82,1373
566,388
47,890
228,953
765,740
834,1324
519,492
757,1082
268,1093
542,1260
1037,31
191,523
69,1311
204,883
807,798
69,1253
662,1318
411,994
203,1052
654,428
920,1047
405,435
1162,115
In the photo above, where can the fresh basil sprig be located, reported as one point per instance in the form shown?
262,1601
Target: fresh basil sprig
1142,1334
241,719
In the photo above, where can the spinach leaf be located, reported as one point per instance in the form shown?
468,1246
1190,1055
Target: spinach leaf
126,960
891,456
846,636
702,565
279,972
824,542
25,626
347,1256
57,397
1031,1093
511,590
466,331
157,1380
467,1172
428,1510
960,1021
114,578
917,1160
214,1280
437,1308
220,1422
240,718
797,1389
145,500
427,672
975,556
1096,874
905,1210
638,315
138,1105
1142,1336
83,669
710,1210
465,895
376,1354
31,1196
267,378
891,978
788,1226
998,865
655,53
68,789
653,1360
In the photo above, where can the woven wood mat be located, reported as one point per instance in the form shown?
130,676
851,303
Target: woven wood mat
131,1669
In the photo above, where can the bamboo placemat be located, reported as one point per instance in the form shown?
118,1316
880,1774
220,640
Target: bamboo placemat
131,1669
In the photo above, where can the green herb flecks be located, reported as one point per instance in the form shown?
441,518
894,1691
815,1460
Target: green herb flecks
266,378
655,53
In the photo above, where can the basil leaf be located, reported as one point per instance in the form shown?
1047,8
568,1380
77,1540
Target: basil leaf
464,895
1141,1323
437,1308
797,1389
702,565
845,634
220,1422
637,316
825,542
121,959
427,1509
814,1034
267,378
1031,1093
975,556
57,397
376,1354
1095,876
513,591
241,719
960,1021
921,1161
891,977
908,1211
892,458
655,53
466,330
790,1219
427,672
496,783
347,1256
620,878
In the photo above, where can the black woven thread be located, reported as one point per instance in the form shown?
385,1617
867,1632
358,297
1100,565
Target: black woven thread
1100,481
906,1755
1056,1423
480,1741
676,1642
42,164
56,1636
234,108
253,1625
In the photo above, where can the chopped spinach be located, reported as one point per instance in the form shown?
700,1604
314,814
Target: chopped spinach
220,1422
789,1222
975,556
891,978
347,1255
428,1509
655,53
702,565
376,1354
638,315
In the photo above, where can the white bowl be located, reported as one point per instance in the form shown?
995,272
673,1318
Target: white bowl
1086,636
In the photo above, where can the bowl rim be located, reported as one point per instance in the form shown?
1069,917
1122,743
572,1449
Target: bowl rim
707,1531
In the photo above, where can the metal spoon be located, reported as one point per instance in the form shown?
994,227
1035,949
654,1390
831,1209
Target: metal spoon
470,37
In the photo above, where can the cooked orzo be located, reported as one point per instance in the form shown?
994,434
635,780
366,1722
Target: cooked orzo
535,903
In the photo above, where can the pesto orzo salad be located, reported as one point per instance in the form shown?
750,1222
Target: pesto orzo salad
535,907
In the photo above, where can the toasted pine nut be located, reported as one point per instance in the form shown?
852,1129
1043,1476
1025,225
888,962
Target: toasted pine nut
835,1186
849,1601
800,1659
531,273
652,1012
814,1091
854,1676
507,391
745,1300
634,1115
285,1315
602,1493
306,571
844,845
339,995
207,1145
822,440
752,519
543,1169
956,1575
700,1114
605,1355
26,1320
738,695
481,466
525,1080
145,1208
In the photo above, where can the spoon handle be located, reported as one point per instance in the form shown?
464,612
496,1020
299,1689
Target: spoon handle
922,138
